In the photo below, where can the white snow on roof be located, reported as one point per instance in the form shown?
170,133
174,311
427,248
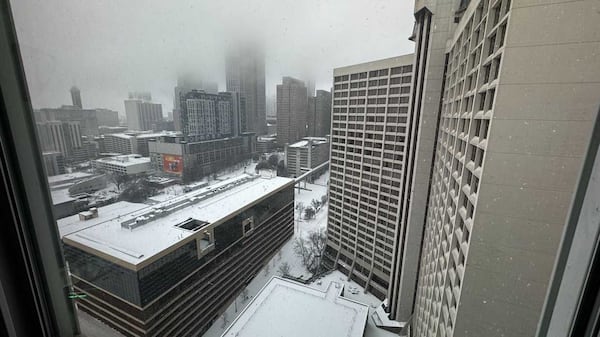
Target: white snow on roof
57,179
125,160
60,196
305,140
290,309
72,224
134,246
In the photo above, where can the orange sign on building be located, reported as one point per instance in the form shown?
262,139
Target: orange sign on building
172,164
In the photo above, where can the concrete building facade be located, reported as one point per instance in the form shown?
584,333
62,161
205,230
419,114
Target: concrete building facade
142,114
127,164
292,111
519,94
174,156
207,116
305,155
370,126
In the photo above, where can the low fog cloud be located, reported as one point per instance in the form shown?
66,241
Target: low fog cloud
108,48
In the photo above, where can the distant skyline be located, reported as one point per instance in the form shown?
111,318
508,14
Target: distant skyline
109,48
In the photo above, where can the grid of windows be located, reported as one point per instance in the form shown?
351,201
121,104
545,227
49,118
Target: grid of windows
467,109
368,151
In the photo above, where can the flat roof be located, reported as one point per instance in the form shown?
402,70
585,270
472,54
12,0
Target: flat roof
304,141
134,248
375,64
57,179
290,309
125,160
72,224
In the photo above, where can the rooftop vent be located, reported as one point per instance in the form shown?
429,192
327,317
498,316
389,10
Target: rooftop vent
192,224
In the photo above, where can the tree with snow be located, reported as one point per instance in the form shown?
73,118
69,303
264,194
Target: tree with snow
309,213
316,204
311,249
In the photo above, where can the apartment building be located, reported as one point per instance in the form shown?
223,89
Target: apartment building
519,93
370,124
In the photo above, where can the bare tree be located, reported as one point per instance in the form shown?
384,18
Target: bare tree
300,207
316,204
323,199
284,269
309,213
311,249
119,179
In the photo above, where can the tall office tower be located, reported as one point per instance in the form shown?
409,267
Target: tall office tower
322,114
87,118
63,137
245,72
207,116
368,156
76,97
520,91
292,111
142,114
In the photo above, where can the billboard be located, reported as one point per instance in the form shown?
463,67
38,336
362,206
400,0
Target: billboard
172,164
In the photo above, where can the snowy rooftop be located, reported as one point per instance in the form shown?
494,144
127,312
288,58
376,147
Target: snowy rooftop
290,309
125,160
129,135
158,229
72,224
63,178
304,142
60,196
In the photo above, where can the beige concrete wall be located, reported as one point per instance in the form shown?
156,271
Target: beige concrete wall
548,94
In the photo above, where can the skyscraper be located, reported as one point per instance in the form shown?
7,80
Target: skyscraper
319,114
519,93
208,116
245,74
292,110
76,97
369,153
187,83
141,115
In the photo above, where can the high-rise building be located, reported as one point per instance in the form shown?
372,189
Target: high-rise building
87,118
319,114
63,137
53,162
76,97
172,268
292,111
107,117
207,116
186,83
519,90
142,114
245,74
369,153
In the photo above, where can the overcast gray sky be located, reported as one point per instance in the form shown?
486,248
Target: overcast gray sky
110,47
